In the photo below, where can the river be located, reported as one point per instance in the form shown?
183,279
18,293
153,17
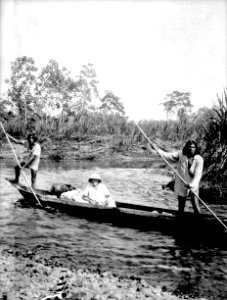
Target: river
195,270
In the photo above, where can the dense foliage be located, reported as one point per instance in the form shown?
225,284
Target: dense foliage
216,143
33,96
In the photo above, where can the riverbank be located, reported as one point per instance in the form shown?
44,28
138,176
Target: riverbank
29,278
117,150
95,148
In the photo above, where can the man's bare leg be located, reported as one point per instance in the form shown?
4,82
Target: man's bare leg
181,205
17,173
195,204
33,177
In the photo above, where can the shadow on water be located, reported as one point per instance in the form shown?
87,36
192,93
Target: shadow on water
184,233
181,264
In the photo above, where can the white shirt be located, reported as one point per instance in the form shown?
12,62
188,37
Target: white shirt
97,193
192,175
36,150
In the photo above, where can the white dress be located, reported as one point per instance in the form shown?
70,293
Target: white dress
99,194
192,175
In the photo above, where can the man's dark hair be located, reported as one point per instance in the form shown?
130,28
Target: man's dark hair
188,144
32,135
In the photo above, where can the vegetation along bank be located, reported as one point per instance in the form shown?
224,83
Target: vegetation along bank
81,130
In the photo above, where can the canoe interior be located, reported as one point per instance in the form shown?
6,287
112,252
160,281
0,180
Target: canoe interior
45,197
128,215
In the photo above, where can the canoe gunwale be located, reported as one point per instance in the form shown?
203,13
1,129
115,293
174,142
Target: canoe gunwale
125,207
125,214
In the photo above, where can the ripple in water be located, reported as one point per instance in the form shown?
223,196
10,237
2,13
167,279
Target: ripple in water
160,259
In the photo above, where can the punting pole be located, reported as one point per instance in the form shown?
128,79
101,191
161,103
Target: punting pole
182,179
14,153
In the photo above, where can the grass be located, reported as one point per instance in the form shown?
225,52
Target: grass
216,144
209,130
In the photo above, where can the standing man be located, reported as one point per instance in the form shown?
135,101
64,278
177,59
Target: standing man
190,168
31,161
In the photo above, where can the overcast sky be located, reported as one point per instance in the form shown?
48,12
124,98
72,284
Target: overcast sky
141,50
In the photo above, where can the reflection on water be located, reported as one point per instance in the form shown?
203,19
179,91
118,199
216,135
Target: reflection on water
198,270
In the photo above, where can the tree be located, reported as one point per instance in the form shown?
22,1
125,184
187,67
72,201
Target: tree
21,85
54,87
87,86
6,108
112,103
55,92
178,103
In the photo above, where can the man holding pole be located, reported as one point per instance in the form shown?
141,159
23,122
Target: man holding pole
31,161
190,168
195,172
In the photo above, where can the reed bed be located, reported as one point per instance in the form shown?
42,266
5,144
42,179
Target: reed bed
95,123
208,129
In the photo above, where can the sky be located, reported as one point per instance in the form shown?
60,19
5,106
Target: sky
141,50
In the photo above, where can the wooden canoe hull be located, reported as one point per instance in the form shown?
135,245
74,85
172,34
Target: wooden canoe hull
144,218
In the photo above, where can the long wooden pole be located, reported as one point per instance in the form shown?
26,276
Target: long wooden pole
182,179
14,153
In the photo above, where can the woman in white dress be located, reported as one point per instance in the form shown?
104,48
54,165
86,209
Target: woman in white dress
96,192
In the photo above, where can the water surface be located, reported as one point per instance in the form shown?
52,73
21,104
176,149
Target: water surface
195,269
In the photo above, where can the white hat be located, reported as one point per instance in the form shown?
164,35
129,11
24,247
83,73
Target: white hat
95,176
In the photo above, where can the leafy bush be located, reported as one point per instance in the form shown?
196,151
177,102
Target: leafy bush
216,144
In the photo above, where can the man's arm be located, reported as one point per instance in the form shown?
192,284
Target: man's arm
152,148
171,156
197,175
30,161
15,140
35,153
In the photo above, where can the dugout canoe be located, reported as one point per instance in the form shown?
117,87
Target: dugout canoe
129,215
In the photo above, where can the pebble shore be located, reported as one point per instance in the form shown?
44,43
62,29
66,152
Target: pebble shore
25,279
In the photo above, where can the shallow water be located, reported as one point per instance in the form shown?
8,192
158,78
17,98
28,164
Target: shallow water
199,270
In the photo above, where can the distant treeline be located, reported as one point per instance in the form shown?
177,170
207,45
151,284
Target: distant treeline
208,127
31,95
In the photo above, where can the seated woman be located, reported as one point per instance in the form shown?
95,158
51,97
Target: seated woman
97,193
